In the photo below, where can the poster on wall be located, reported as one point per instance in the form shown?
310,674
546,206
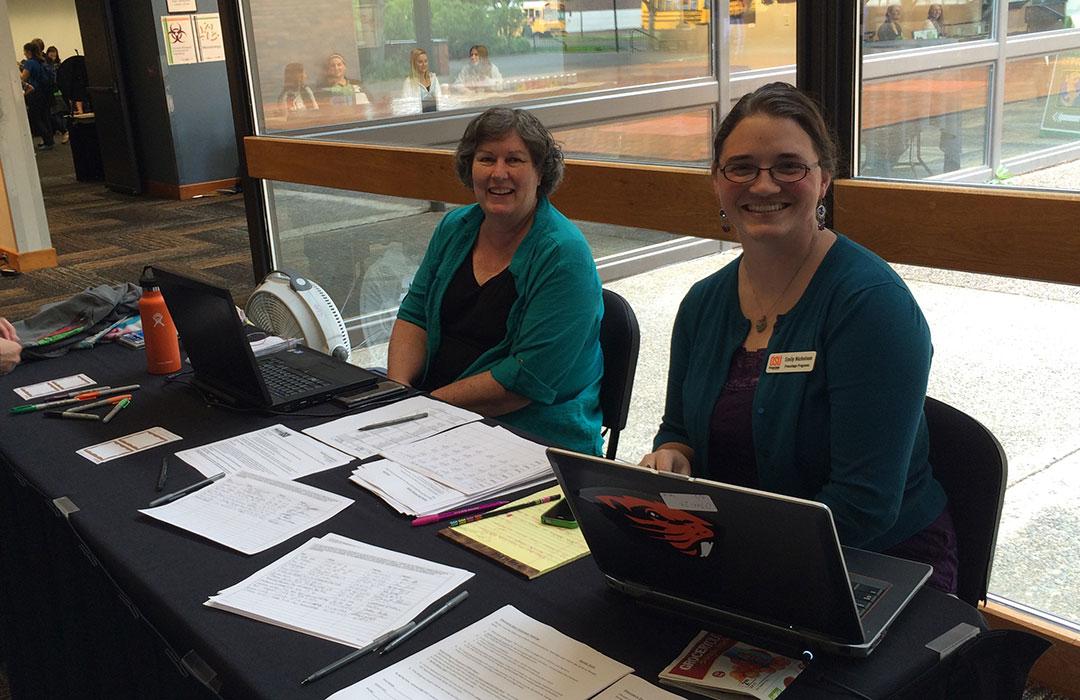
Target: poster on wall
1062,112
180,39
211,43
181,6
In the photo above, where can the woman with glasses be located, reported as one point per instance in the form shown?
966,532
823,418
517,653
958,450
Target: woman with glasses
801,367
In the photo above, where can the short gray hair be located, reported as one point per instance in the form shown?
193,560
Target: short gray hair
498,122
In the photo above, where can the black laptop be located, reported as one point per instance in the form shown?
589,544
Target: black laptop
765,568
217,345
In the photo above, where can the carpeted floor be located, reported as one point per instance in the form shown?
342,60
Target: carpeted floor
102,237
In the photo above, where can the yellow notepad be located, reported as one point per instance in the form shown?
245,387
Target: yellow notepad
519,541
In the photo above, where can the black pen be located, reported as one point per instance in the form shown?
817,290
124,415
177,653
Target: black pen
163,475
349,658
421,624
393,421
170,497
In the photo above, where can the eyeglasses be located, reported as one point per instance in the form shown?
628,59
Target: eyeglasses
743,173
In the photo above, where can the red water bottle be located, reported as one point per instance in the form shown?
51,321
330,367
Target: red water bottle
162,347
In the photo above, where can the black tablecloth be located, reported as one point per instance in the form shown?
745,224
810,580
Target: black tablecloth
107,601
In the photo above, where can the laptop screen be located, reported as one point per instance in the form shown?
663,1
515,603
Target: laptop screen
737,551
212,335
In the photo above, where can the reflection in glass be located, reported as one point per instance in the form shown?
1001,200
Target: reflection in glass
921,125
682,138
356,54
1043,16
888,25
1042,103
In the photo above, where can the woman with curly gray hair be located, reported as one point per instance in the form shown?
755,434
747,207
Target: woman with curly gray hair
503,316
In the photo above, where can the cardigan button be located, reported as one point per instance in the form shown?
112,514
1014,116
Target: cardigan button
760,411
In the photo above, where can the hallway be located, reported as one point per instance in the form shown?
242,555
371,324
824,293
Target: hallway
103,237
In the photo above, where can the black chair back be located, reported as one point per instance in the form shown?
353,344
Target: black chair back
969,463
620,338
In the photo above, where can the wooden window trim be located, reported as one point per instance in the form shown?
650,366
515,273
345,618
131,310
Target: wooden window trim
985,230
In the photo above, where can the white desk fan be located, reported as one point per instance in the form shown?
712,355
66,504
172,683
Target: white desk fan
289,305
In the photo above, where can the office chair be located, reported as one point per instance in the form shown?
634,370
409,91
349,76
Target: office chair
969,463
620,338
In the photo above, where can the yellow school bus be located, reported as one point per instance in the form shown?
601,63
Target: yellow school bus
544,18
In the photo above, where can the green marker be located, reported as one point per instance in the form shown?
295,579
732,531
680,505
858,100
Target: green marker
49,339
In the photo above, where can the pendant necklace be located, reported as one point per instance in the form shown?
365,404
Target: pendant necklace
762,322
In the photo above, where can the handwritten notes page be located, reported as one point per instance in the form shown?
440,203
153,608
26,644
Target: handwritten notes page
251,512
474,459
277,452
345,434
469,464
519,541
505,655
339,589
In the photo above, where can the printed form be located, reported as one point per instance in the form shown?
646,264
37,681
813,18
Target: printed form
506,655
277,452
346,435
250,512
342,590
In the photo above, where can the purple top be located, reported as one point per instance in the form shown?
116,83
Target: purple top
731,434
732,461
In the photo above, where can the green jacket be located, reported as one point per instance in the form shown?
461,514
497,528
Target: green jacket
850,433
551,352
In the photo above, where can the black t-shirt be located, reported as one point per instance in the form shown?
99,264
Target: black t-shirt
473,322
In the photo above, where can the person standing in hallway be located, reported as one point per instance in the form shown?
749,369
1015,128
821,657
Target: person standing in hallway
38,95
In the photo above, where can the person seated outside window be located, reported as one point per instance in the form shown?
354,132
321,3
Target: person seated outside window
296,96
422,84
339,89
890,29
480,73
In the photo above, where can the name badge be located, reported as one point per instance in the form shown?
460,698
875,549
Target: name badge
785,362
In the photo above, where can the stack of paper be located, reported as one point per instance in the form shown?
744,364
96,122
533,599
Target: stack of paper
348,433
506,655
466,465
251,512
340,589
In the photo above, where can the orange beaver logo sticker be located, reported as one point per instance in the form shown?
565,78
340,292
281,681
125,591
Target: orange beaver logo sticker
688,534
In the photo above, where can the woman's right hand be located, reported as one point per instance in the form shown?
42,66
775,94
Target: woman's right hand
10,355
668,459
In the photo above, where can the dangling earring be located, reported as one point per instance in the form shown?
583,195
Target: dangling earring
724,225
821,213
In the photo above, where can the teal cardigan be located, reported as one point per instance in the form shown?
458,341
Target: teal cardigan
551,352
850,433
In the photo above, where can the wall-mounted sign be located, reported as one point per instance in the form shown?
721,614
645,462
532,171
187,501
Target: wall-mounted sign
1062,112
181,6
211,44
180,39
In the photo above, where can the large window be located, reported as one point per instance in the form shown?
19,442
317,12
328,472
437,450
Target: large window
628,81
991,97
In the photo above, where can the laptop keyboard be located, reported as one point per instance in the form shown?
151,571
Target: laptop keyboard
283,380
866,594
